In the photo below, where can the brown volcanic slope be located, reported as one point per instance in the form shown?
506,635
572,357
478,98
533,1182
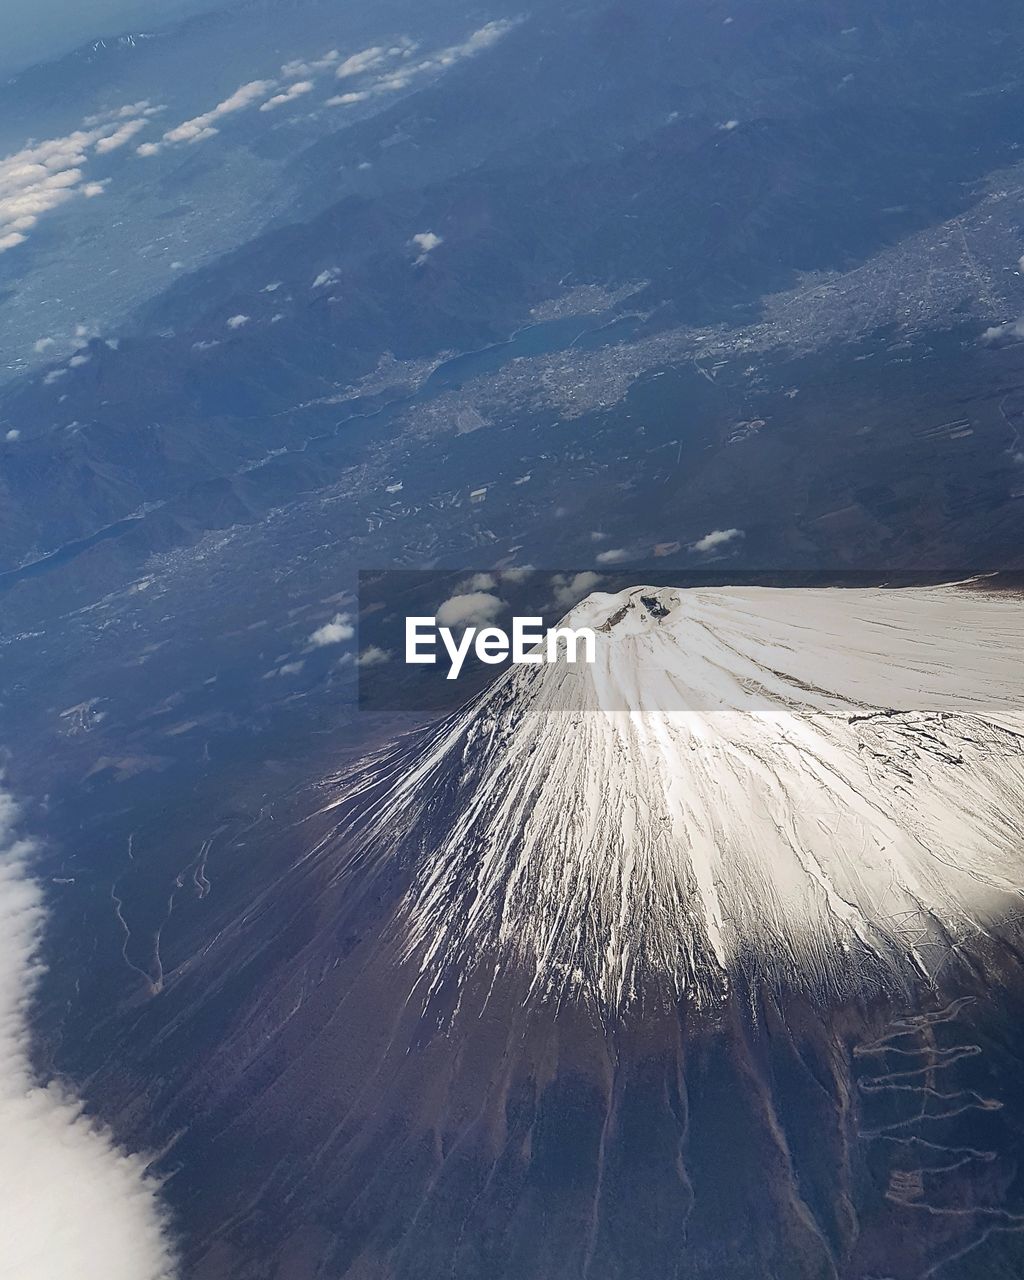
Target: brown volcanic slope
330,1126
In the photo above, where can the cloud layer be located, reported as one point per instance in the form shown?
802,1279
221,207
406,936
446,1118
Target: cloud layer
46,175
75,1205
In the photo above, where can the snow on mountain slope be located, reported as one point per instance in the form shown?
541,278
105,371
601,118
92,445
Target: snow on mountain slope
810,787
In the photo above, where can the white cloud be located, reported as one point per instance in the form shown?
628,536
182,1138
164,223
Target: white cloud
478,582
120,136
729,125
74,1203
300,68
128,111
347,99
43,344
12,435
330,275
236,322
373,656
45,175
473,609
35,180
1009,331
290,94
426,242
337,631
394,78
359,63
483,38
568,589
615,556
202,127
717,538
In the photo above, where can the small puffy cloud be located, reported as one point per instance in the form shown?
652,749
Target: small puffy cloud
53,376
516,575
347,99
478,582
615,556
129,110
359,63
93,189
483,38
728,125
570,588
120,137
148,149
373,656
296,90
12,435
395,81
426,242
76,362
330,275
1001,334
43,344
236,322
717,538
291,668
395,68
301,68
272,287
203,126
337,631
471,609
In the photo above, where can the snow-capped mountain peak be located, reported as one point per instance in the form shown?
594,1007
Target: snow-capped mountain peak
812,787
